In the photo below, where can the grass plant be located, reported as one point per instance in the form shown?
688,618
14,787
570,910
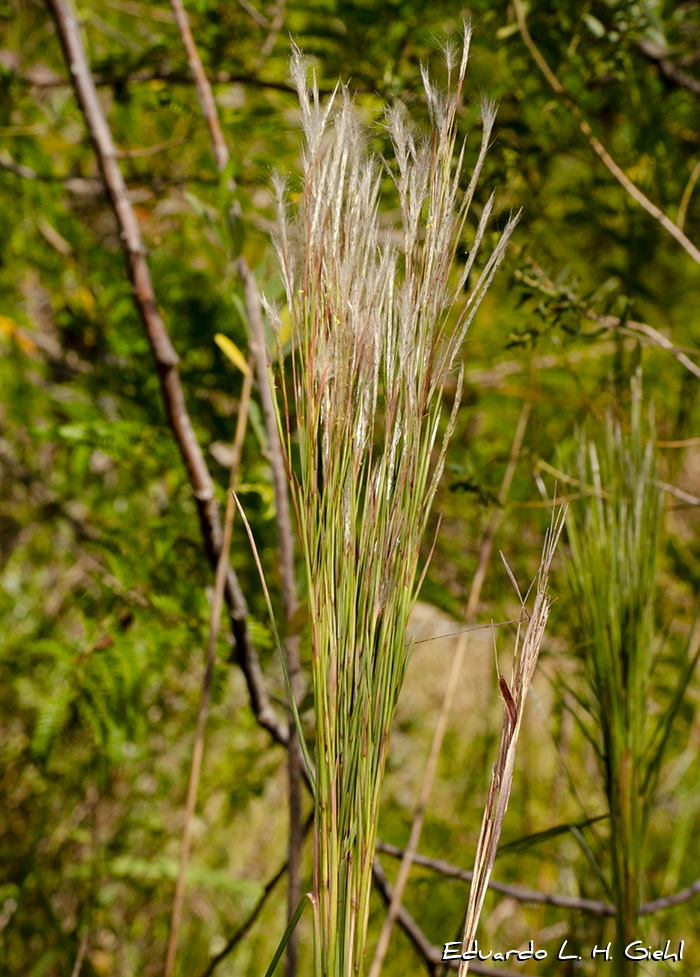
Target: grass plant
613,532
377,321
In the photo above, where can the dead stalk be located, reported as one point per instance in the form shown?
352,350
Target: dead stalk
214,624
525,658
285,537
284,524
204,92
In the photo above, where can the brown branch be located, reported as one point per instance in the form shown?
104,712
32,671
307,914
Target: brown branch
166,359
44,79
18,169
275,27
595,143
658,338
94,186
257,342
431,954
452,684
214,625
670,71
594,906
679,493
259,18
82,950
141,151
284,524
521,894
204,92
665,902
244,929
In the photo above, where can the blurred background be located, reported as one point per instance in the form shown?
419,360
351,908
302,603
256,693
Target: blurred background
104,583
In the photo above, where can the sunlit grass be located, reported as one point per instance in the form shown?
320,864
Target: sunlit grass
614,532
374,342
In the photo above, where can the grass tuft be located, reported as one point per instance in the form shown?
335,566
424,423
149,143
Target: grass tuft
374,339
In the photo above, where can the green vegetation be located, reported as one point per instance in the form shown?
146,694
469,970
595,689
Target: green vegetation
106,584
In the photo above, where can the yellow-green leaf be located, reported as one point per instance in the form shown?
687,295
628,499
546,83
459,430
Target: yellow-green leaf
229,348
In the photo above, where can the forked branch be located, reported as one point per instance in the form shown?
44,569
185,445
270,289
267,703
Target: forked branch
596,144
165,357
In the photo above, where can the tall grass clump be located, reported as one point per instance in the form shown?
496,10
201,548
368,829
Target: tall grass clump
613,532
377,317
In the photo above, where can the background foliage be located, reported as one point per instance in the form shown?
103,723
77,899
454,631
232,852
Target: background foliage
104,585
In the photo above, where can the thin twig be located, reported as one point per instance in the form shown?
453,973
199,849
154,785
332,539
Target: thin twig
259,18
245,928
214,625
284,525
595,143
595,906
658,338
94,186
431,954
51,80
683,443
275,27
82,950
668,69
448,696
687,194
665,902
679,493
285,538
204,92
476,627
140,151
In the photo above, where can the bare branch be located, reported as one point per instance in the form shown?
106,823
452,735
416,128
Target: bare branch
285,537
597,146
275,27
670,71
165,357
49,79
284,524
665,902
214,624
140,151
432,955
204,92
259,18
244,929
594,906
82,950
658,338
679,493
